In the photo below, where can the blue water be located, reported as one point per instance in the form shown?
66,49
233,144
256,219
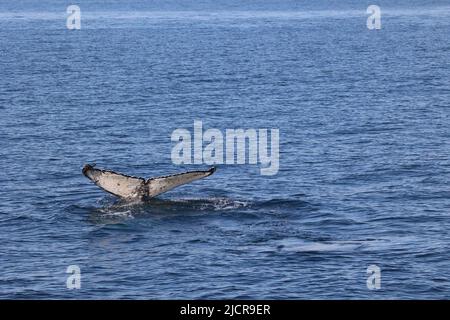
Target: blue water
364,149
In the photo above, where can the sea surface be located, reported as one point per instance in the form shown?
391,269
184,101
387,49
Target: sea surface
364,120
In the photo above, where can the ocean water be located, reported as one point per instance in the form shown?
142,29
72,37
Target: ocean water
364,149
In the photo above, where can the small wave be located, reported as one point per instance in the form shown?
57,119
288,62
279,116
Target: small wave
305,245
118,211
296,245
289,203
215,204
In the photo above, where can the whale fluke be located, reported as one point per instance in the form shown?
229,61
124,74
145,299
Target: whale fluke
129,187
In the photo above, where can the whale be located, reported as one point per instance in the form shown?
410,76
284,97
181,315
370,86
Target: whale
136,188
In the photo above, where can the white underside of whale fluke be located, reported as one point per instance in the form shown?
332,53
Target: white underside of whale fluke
129,187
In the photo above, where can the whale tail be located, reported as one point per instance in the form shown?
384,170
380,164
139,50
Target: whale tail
129,187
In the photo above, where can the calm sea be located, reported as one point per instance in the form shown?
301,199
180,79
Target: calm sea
364,149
